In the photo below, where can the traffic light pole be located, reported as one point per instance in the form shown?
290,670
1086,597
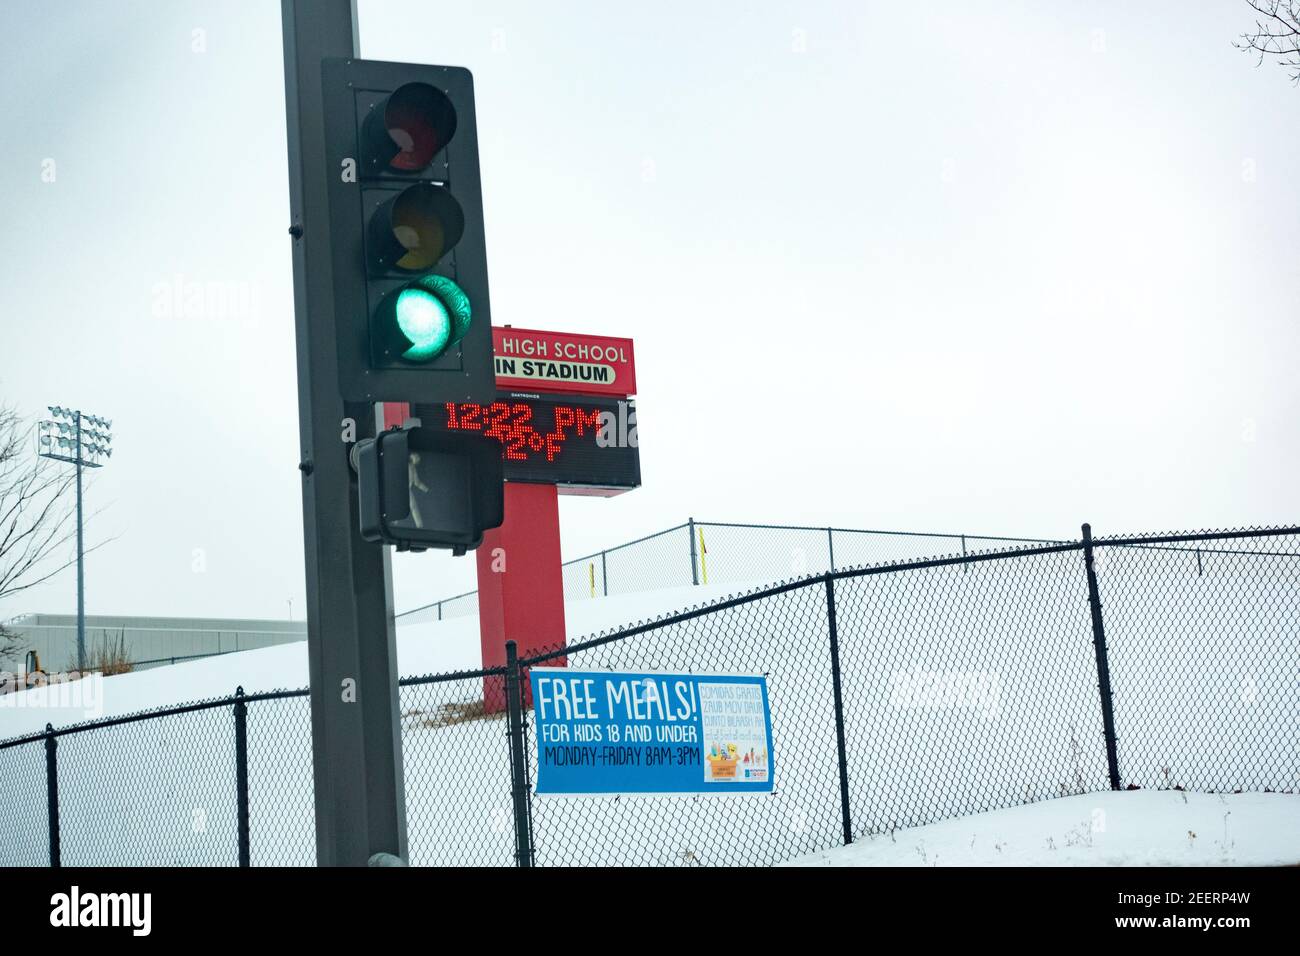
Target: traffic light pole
356,734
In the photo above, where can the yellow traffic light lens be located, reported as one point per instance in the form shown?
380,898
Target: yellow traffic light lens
417,226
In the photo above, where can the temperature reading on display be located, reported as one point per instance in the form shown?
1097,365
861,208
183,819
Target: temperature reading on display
579,444
513,424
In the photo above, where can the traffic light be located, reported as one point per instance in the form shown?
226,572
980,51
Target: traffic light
421,489
406,233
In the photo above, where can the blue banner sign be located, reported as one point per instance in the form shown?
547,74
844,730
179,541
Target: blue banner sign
625,732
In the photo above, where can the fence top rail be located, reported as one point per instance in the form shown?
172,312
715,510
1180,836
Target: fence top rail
627,544
208,704
425,607
448,676
139,715
1192,537
195,657
1205,551
1148,540
903,534
227,701
795,584
763,527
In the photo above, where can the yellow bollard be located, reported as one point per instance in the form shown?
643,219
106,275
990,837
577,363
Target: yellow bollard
704,561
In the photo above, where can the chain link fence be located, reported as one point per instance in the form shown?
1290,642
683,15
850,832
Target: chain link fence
703,552
456,764
24,836
1198,612
782,634
900,694
992,665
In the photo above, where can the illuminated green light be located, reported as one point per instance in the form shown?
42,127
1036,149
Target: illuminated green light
454,300
424,320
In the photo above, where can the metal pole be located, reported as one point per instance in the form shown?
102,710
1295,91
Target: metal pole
241,775
695,568
52,792
351,641
965,567
839,710
1103,662
830,545
604,575
518,777
81,570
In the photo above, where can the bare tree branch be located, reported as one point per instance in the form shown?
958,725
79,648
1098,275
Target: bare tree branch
1276,35
37,516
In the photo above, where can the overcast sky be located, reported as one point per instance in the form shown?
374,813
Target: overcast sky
997,268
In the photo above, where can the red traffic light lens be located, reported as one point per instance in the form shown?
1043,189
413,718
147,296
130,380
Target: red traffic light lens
419,120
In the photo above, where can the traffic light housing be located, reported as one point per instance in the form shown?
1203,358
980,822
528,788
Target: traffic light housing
406,233
420,489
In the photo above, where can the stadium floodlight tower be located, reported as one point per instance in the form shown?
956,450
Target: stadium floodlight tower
84,441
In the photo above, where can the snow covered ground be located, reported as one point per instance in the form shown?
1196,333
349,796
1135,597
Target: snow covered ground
1111,828
422,648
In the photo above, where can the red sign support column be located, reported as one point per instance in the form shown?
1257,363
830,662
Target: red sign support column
520,578
521,583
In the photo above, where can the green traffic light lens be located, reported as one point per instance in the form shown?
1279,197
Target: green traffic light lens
430,315
424,321
454,300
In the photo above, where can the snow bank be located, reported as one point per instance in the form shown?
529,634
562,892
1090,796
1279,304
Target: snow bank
1124,828
422,648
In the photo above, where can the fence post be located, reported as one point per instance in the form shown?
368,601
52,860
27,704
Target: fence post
440,610
52,792
839,710
695,567
518,775
830,545
965,568
241,774
1103,661
604,575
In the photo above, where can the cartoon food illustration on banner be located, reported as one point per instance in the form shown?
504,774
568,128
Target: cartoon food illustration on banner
726,762
735,733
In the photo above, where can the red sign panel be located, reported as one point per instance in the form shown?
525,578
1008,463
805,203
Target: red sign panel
563,362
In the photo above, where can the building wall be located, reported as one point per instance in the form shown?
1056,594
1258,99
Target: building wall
149,641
